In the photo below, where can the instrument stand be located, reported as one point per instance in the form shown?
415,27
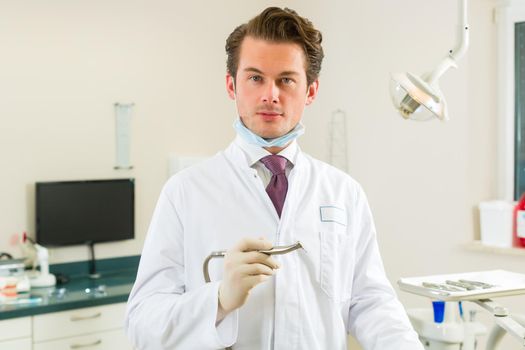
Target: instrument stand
502,319
476,287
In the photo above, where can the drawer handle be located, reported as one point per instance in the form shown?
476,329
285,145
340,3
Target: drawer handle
82,318
80,346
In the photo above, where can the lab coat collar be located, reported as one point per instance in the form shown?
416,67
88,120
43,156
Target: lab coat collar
254,153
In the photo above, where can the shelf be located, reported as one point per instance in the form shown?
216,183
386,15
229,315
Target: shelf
477,246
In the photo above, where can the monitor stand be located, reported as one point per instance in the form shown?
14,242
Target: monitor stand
92,267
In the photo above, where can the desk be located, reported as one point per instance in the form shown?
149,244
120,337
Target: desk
76,314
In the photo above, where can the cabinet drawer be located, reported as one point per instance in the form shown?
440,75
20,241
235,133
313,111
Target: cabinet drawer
99,341
18,344
76,322
15,328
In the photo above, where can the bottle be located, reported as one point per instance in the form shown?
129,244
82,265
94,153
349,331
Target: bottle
519,223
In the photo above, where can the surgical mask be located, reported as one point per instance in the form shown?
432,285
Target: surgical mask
254,139
281,141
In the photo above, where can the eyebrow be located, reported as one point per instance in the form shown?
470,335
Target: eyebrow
255,70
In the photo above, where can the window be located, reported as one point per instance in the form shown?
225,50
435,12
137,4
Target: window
519,113
510,20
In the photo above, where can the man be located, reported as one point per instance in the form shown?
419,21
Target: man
260,192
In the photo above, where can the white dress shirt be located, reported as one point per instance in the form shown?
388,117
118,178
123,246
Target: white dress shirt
254,154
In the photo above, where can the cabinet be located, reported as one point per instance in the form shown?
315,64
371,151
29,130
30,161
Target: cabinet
18,344
101,341
99,327
16,334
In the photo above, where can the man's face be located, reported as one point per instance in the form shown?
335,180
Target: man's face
270,88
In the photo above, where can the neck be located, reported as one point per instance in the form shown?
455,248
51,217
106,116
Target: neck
274,150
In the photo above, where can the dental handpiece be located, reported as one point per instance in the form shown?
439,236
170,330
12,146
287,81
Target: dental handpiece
277,250
464,285
479,284
440,286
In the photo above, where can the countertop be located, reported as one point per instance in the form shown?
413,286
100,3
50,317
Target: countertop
79,292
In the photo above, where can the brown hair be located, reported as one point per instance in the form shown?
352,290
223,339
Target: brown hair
279,25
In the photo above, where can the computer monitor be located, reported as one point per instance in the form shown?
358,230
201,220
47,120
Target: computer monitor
85,212
80,212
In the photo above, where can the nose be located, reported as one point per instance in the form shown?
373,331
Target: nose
270,93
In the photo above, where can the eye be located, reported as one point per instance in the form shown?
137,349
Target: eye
255,78
287,81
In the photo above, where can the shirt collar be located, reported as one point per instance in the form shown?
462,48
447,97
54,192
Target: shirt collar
254,153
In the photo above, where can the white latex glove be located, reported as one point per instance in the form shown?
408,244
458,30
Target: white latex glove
244,268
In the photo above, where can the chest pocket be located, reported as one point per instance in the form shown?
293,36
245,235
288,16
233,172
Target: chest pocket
329,257
335,253
335,263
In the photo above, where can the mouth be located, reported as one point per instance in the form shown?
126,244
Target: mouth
269,115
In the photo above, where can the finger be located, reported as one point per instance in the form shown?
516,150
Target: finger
256,257
252,281
237,259
248,244
255,269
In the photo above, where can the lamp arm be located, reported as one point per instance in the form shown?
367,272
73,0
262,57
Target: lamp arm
459,51
446,63
463,32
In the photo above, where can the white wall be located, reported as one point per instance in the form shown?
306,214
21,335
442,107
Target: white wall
64,64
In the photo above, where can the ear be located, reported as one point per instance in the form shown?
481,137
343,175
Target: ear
312,92
230,86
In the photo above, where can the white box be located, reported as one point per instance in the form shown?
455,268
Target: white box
496,221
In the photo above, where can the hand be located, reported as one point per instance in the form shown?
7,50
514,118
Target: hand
244,268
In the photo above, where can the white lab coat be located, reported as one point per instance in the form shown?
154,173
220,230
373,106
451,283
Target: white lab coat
336,285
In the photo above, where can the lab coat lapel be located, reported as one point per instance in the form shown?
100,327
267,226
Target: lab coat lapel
248,177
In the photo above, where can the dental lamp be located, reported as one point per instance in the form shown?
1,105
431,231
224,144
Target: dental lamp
420,98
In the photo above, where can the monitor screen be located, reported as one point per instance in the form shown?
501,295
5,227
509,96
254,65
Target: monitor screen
79,212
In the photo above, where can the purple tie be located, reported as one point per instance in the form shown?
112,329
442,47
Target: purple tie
278,185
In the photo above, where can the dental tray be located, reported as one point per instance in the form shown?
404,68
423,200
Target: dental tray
502,283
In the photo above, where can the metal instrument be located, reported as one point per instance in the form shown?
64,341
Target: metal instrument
439,286
479,284
277,250
464,285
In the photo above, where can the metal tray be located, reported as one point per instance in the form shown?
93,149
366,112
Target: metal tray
505,283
